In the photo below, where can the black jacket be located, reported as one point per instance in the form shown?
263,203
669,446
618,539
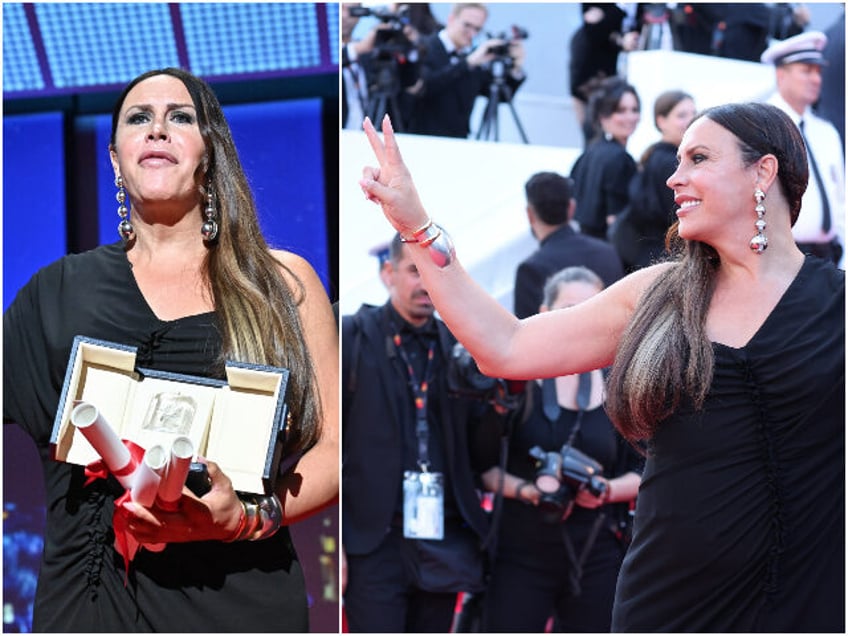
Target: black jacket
640,235
601,179
450,87
563,248
374,392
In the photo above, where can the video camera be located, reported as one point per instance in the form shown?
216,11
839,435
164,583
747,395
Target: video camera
502,50
466,380
391,40
560,475
394,63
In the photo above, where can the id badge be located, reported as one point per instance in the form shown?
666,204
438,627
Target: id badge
423,505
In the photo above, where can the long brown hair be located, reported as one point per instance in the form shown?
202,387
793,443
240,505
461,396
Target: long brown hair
664,353
256,306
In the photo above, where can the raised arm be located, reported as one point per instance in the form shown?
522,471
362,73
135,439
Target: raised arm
553,344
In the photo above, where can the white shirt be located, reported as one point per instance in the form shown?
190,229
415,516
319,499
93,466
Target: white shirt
827,149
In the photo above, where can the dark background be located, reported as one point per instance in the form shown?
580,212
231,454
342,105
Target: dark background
274,68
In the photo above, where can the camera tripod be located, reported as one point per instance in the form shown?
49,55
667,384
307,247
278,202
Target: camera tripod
383,97
499,92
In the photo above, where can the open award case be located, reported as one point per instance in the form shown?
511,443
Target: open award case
239,423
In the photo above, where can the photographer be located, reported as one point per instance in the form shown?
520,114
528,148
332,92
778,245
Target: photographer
355,54
453,75
409,547
558,554
380,68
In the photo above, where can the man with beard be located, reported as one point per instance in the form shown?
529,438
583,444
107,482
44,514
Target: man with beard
412,523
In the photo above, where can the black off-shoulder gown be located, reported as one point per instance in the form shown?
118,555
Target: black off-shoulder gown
740,523
192,587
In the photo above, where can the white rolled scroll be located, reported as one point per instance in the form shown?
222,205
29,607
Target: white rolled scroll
102,437
148,475
171,486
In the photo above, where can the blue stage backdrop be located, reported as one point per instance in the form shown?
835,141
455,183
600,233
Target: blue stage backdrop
33,196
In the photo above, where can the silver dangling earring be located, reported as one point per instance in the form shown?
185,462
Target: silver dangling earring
759,243
210,225
125,228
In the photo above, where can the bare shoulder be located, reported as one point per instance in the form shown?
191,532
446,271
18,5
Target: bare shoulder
297,266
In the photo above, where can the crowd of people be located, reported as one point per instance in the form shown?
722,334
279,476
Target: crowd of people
676,291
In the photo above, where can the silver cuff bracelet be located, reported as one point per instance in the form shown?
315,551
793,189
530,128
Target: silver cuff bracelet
270,517
440,247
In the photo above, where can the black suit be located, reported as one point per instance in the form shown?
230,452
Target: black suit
563,248
450,87
378,428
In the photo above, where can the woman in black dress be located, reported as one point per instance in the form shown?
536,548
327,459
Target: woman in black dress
728,361
191,285
569,567
602,173
639,237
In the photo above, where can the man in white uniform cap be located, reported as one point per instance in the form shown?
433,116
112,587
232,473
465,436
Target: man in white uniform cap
820,229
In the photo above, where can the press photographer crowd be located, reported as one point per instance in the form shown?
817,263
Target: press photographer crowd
622,451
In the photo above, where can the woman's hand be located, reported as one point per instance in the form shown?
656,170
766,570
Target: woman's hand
391,184
213,517
585,499
513,487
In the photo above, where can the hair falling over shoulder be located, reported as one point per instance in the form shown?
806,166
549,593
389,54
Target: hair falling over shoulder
257,304
664,355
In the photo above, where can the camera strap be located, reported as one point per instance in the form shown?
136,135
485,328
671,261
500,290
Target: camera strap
550,402
419,392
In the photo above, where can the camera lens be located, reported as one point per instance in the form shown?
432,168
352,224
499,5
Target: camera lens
547,483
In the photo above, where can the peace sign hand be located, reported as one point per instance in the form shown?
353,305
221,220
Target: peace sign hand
391,184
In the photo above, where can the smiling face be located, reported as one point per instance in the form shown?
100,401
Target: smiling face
623,121
158,147
711,185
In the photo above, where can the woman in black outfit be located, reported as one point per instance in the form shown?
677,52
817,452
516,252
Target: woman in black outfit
192,284
728,361
639,238
602,173
559,555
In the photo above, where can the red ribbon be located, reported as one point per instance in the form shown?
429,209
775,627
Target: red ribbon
98,470
125,543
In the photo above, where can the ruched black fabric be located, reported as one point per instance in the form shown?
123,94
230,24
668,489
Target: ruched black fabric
191,587
740,517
